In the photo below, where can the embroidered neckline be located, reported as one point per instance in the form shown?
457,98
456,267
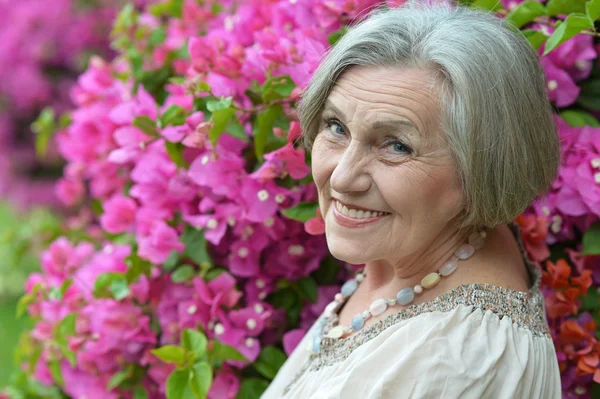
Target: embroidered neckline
524,308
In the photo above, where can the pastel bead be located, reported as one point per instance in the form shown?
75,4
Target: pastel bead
405,296
449,267
330,308
349,287
390,302
431,280
316,344
360,277
366,315
418,289
336,332
358,322
465,251
476,240
378,307
339,298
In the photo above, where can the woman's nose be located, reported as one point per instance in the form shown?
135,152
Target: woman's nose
350,173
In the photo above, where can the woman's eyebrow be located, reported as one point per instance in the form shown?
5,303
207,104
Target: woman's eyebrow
330,107
390,125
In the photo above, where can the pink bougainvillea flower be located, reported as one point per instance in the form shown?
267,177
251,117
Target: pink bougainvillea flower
291,339
280,163
218,293
119,214
316,225
225,385
158,244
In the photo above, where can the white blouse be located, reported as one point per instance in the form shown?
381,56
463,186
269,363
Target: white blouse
474,341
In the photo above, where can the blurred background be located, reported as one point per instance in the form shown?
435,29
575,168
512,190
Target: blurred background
44,47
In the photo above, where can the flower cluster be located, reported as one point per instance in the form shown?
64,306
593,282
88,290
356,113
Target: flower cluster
197,251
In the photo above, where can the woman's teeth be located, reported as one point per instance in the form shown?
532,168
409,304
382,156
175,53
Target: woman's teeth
357,213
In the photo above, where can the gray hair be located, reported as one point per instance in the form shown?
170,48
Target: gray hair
495,113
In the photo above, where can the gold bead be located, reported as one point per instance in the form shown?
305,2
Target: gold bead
430,281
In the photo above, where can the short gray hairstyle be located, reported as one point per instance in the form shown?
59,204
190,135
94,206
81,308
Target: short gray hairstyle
495,112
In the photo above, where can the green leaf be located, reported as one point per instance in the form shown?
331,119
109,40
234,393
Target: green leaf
175,151
563,7
65,328
126,19
119,287
194,341
172,8
302,212
173,116
591,240
264,128
490,5
592,9
327,273
118,379
44,127
220,118
216,105
171,261
140,393
170,353
535,38
178,385
146,125
157,37
221,352
276,88
579,118
183,274
307,288
23,304
252,388
201,379
337,35
56,372
196,246
235,129
589,97
591,301
269,361
574,24
525,13
111,283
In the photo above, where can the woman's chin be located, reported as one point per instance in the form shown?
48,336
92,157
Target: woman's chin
347,252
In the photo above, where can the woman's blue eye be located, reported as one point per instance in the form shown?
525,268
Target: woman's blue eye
331,124
398,146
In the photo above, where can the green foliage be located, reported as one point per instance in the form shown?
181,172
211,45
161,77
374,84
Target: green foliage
579,118
591,240
302,212
252,388
270,361
45,126
22,236
574,24
563,7
525,13
175,151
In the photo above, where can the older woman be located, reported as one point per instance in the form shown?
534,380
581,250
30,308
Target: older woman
430,131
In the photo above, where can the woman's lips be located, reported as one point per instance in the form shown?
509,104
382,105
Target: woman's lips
347,221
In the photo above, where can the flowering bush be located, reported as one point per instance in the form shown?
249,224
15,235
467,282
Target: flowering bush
197,253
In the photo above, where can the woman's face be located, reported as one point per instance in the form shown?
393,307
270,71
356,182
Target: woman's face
380,148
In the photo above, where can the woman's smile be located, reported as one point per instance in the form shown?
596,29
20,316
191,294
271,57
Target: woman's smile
350,217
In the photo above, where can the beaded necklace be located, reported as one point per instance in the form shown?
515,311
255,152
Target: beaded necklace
404,297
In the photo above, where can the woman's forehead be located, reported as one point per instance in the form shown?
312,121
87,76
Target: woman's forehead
384,97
